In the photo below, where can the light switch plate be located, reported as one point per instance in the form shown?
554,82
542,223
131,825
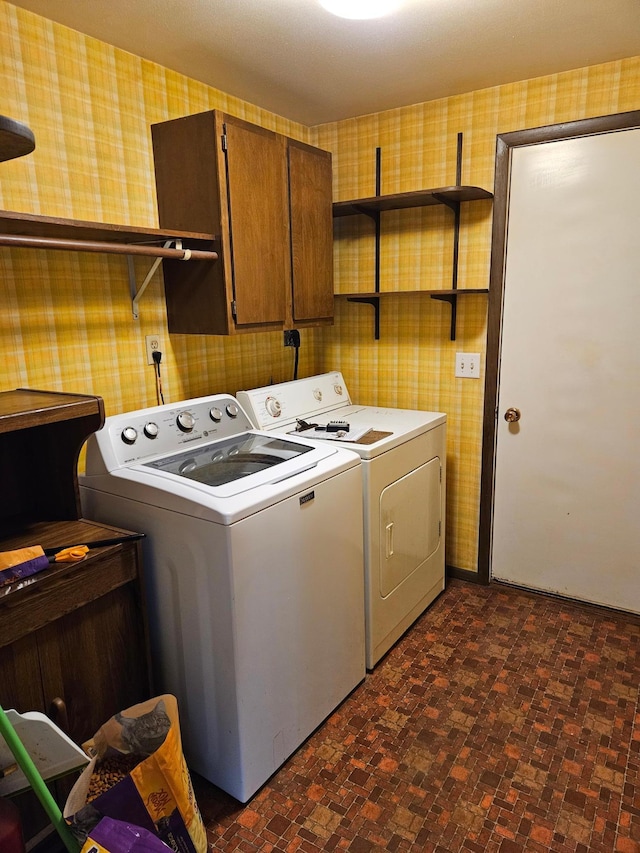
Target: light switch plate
468,365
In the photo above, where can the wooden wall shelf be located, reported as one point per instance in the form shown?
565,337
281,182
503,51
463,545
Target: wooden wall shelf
373,298
30,231
32,225
435,294
402,201
452,197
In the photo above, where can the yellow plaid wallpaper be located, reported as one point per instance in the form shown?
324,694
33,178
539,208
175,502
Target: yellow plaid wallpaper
66,321
413,363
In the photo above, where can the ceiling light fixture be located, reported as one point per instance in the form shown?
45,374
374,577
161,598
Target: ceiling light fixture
361,9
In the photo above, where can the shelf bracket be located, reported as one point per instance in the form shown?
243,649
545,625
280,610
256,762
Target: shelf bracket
375,302
452,299
374,216
137,293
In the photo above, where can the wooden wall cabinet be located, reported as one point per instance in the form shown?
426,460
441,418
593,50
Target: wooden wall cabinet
268,201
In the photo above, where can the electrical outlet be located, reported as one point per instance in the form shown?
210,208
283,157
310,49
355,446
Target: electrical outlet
468,365
153,345
292,338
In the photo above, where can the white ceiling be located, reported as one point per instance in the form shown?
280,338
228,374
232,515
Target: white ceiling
293,58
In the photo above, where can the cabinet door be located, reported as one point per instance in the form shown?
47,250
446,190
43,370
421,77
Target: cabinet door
94,659
310,194
20,689
256,174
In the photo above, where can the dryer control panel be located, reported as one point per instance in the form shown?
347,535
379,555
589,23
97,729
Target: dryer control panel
279,405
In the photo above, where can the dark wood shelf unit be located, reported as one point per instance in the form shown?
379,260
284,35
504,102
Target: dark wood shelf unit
451,197
73,640
34,602
41,436
73,637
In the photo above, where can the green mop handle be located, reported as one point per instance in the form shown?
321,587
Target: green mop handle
36,781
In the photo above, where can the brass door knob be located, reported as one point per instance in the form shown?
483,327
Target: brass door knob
512,415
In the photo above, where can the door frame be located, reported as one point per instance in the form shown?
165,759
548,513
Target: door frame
505,143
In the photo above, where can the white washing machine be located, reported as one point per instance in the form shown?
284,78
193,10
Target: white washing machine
403,456
253,573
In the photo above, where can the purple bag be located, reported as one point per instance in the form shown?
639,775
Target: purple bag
114,836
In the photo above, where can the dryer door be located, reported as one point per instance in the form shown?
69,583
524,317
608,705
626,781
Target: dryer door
409,524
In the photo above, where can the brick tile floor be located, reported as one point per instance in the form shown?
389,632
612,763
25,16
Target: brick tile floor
502,722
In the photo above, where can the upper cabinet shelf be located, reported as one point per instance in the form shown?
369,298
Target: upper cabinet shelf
418,198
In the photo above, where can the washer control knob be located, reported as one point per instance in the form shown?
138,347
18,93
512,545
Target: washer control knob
338,389
129,435
185,421
151,430
317,394
215,414
232,410
273,407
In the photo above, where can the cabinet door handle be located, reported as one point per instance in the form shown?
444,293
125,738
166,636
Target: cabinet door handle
58,713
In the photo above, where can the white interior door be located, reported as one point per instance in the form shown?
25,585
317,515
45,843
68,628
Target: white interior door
567,477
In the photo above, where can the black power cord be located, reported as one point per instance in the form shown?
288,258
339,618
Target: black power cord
292,339
157,358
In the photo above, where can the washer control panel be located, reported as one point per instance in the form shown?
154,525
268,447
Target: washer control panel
134,436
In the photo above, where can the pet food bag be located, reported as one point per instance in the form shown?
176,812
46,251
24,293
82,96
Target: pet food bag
138,775
114,836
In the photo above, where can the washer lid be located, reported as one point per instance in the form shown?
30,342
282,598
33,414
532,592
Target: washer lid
245,493
230,459
242,464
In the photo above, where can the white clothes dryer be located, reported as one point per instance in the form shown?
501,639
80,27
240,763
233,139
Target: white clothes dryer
253,572
403,456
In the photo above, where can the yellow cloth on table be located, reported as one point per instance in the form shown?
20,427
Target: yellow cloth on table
8,559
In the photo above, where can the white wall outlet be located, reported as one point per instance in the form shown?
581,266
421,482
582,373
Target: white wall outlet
152,343
468,365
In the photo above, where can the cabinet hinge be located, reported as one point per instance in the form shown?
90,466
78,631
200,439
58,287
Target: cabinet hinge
223,140
233,308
